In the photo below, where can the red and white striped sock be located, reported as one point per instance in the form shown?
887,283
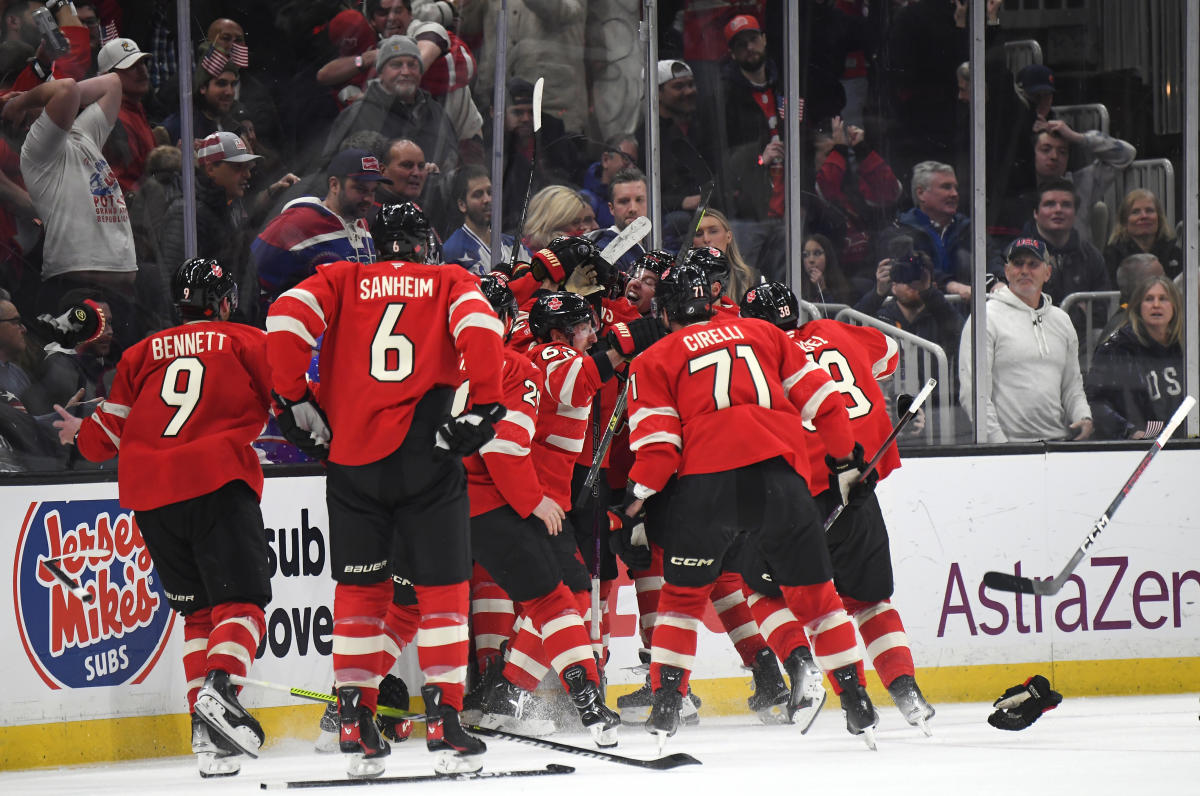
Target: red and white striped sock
680,610
358,636
442,642
527,663
778,625
493,617
399,629
730,603
829,627
648,583
564,639
233,642
196,628
883,633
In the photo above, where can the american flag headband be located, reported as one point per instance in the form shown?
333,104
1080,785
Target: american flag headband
216,59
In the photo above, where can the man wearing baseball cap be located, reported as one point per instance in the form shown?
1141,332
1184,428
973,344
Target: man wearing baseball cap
1036,388
311,231
131,140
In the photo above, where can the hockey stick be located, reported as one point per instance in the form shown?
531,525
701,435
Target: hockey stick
908,415
697,217
551,768
626,239
1007,581
605,443
657,764
537,126
320,696
51,565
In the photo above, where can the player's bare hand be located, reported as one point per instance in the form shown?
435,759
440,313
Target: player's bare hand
550,513
68,426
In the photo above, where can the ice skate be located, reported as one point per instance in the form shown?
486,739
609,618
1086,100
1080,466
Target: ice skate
329,740
666,705
218,706
359,737
215,756
770,698
597,717
808,688
512,709
911,702
861,716
458,752
473,700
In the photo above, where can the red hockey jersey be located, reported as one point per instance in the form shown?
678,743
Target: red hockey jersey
393,332
854,357
724,394
185,405
572,380
503,471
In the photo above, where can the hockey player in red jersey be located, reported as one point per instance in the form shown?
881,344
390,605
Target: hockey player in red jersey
184,408
513,520
394,335
721,402
855,357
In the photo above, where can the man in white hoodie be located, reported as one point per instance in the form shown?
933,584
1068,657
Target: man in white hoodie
1036,389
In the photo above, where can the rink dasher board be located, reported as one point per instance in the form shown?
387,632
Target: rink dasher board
951,519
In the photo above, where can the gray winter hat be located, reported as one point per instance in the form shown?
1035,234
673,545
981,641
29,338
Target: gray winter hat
394,46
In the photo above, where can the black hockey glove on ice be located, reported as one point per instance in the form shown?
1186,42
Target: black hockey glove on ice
843,475
463,435
304,424
393,693
1024,704
627,536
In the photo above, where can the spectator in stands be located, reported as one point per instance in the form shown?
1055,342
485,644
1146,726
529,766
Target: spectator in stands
1136,379
1142,226
554,211
13,378
407,171
1033,386
858,181
470,244
395,106
716,232
823,281
214,95
130,141
312,231
75,192
1133,270
223,167
256,110
938,229
627,202
1104,155
89,367
620,153
1076,265
18,26
687,150
85,10
919,307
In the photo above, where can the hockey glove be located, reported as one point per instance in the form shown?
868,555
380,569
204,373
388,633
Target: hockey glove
627,536
843,476
583,281
635,337
393,693
303,424
463,435
1024,704
81,323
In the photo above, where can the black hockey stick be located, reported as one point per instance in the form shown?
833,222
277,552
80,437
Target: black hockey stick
697,217
538,87
1008,581
657,764
551,768
908,415
51,565
601,449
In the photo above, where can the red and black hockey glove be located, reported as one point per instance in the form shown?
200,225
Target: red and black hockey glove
393,693
843,475
463,435
627,536
1022,705
304,424
634,337
81,323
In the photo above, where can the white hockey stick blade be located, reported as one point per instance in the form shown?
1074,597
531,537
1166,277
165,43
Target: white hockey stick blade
626,239
538,87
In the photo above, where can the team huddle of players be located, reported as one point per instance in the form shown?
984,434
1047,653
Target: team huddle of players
744,431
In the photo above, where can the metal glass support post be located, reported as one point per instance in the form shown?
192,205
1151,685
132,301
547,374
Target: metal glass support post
648,32
499,90
980,371
1191,209
794,169
183,47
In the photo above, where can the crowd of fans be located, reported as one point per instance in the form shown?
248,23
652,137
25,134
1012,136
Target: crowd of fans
307,115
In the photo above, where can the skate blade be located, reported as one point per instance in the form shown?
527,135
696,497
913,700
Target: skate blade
535,728
327,743
868,736
662,740
635,715
212,766
806,715
359,766
924,725
447,762
212,711
603,738
775,714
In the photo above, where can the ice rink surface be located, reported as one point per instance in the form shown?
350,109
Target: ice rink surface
1094,746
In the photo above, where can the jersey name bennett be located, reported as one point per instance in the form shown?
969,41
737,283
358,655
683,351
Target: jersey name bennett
187,344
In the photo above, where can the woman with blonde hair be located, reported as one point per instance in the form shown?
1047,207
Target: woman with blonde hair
1143,227
556,210
716,232
1136,379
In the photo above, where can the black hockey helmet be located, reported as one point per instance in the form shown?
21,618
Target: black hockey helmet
402,232
198,287
557,311
655,261
714,263
495,289
565,253
773,302
683,293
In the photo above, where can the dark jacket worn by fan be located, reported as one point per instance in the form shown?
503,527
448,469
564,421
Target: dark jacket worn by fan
1132,382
